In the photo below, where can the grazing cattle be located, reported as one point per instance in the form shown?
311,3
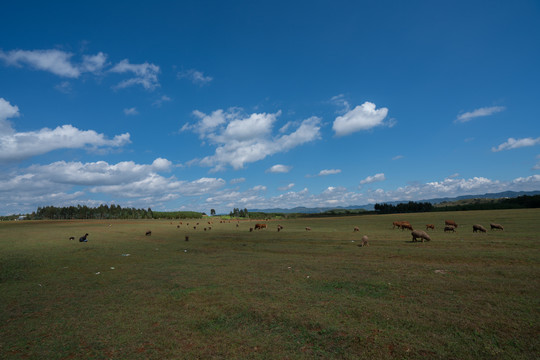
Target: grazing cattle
250,229
148,233
204,229
237,225
419,234
401,225
406,225
194,228
450,223
356,229
364,241
449,228
83,238
187,238
72,238
260,226
478,227
430,226
178,226
496,226
308,229
209,228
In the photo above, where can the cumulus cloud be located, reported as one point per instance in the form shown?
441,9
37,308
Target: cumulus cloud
65,183
195,76
279,169
7,111
54,61
329,172
512,143
61,63
372,179
286,187
242,139
98,173
362,117
146,74
485,111
22,145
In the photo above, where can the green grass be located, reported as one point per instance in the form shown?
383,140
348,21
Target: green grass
233,294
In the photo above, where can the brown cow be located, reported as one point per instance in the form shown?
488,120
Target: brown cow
478,227
148,233
308,229
400,224
449,228
406,225
450,223
496,226
430,226
356,229
260,226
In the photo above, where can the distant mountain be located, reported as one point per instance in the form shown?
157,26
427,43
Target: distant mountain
316,210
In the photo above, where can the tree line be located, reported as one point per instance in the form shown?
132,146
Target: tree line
84,212
520,202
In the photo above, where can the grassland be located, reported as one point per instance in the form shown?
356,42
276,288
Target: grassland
228,293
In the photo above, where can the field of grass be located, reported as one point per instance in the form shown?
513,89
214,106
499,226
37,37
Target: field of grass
228,293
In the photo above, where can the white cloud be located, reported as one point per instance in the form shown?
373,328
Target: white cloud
93,63
146,74
22,145
242,139
372,179
97,173
237,181
397,157
68,183
341,102
512,143
7,111
329,172
279,169
159,102
195,76
286,187
362,117
131,111
54,61
485,111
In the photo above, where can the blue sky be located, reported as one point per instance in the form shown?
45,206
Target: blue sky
199,105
